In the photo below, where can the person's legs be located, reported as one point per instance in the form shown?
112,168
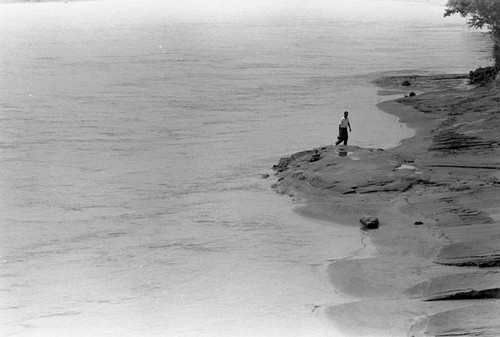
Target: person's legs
340,138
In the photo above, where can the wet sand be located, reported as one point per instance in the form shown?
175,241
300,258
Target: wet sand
432,266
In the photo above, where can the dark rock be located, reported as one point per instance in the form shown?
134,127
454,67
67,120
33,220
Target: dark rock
406,84
418,223
482,76
316,156
412,94
369,221
264,175
342,153
282,165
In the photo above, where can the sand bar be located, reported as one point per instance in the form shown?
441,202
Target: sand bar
432,266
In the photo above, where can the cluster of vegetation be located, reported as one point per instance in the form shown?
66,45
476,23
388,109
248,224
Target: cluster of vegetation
480,14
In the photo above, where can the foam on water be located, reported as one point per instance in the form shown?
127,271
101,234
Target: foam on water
133,136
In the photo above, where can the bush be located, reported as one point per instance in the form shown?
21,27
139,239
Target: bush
480,14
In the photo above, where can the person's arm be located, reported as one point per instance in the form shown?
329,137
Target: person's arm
349,123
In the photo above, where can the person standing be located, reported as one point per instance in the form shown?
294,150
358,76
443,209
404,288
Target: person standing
344,124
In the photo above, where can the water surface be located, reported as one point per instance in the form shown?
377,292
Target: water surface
133,136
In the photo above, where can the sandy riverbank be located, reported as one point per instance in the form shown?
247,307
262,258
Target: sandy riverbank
431,268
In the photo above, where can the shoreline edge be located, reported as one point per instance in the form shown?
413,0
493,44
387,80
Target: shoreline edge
436,255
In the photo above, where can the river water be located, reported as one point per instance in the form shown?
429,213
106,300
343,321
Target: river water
133,136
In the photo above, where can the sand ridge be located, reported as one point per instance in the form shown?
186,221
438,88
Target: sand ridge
435,257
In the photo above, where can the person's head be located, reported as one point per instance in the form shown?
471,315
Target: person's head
346,113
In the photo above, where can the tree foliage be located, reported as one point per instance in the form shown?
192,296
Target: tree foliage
480,14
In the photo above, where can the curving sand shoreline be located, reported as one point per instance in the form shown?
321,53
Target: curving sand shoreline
432,267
